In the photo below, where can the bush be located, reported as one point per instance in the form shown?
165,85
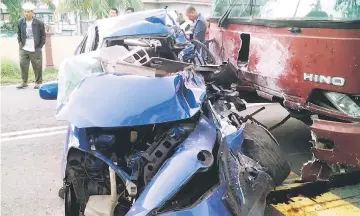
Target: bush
9,70
11,73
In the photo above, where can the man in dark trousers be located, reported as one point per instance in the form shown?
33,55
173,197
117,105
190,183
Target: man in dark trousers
199,30
31,38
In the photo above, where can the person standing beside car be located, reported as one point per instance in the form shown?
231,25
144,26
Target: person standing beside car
31,38
199,30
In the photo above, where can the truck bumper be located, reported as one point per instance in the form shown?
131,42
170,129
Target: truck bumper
342,142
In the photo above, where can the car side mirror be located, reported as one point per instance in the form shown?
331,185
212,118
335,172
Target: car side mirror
49,91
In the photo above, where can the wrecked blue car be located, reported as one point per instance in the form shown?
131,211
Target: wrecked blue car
151,133
155,30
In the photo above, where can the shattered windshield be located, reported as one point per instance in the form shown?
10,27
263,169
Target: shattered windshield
74,69
328,10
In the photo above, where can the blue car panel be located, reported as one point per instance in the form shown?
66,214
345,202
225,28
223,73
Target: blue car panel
235,140
76,139
111,100
142,28
212,204
163,18
184,162
49,91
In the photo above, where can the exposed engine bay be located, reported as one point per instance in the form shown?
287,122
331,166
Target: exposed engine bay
139,151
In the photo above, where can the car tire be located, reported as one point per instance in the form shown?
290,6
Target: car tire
72,208
262,147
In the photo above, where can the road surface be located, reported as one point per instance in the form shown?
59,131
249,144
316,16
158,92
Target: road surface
32,143
30,165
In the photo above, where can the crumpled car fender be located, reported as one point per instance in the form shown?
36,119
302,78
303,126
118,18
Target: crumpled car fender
76,139
193,155
212,203
247,182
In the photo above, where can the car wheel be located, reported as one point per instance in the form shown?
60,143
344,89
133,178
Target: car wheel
62,192
72,208
262,147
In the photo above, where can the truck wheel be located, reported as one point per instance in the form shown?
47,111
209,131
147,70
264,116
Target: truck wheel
262,147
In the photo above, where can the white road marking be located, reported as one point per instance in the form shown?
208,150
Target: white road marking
39,130
32,136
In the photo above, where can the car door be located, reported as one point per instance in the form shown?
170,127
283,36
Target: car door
89,42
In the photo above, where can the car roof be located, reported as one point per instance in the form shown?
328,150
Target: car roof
108,25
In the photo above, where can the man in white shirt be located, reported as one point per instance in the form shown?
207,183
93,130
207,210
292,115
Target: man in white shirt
31,38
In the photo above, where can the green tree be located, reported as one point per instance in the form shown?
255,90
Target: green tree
97,8
350,8
14,8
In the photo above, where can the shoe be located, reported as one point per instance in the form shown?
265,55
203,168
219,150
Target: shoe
37,85
22,85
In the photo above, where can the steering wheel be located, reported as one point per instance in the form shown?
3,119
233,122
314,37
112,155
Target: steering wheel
203,51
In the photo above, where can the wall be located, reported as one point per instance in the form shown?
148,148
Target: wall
63,46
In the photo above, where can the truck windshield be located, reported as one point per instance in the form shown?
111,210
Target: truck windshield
324,10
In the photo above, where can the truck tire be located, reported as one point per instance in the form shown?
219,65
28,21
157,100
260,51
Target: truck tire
262,147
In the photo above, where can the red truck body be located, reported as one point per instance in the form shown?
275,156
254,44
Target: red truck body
304,64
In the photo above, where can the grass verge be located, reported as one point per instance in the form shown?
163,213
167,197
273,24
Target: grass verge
11,74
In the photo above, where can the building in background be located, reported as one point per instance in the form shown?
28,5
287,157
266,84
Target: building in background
63,24
41,12
4,16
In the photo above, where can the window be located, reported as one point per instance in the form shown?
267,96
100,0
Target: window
40,16
90,41
50,18
241,8
65,18
81,48
337,10
312,10
89,46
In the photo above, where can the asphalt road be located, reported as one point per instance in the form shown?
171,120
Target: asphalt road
23,109
30,167
31,160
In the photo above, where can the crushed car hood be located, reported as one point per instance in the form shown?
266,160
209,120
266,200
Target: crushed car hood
114,100
142,28
128,95
110,26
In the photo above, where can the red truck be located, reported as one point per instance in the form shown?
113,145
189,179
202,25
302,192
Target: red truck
304,54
